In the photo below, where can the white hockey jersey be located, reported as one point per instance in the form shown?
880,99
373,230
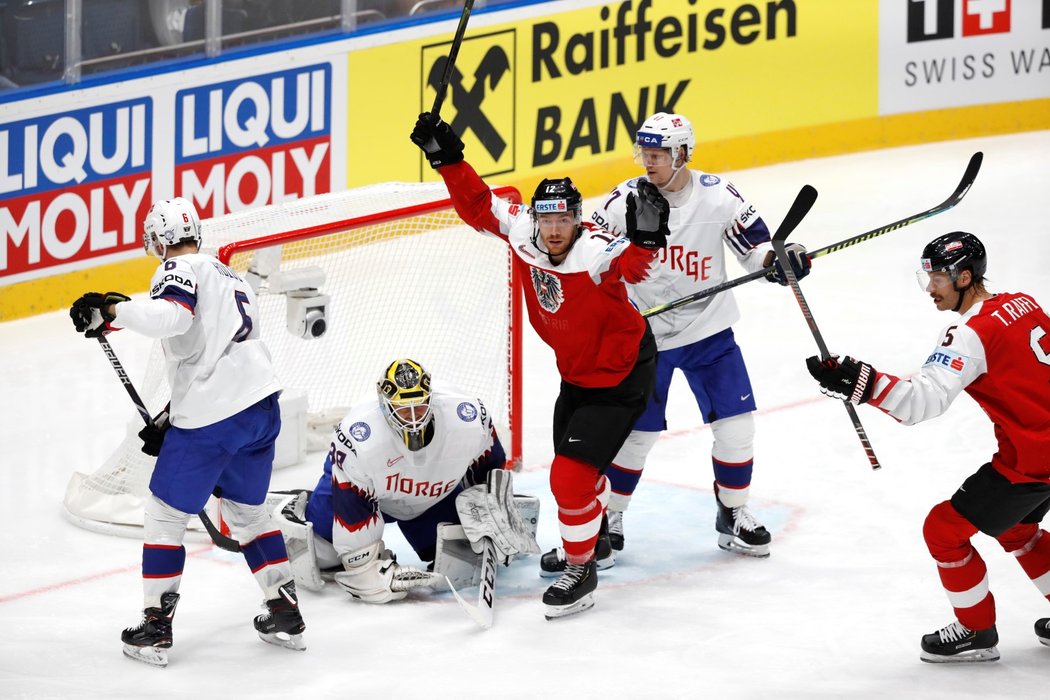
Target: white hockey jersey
707,216
374,472
205,315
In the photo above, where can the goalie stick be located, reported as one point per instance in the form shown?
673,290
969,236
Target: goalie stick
482,613
221,541
972,168
779,248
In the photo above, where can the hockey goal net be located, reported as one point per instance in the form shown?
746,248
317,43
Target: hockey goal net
398,274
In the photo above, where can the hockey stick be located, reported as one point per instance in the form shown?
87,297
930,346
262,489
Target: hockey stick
967,181
221,541
789,272
453,53
482,613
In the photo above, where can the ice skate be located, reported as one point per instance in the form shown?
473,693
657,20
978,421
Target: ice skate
616,530
573,592
956,643
739,531
552,564
282,624
1042,630
149,641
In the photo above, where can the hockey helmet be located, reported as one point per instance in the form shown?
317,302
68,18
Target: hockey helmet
170,222
556,196
404,392
663,130
953,253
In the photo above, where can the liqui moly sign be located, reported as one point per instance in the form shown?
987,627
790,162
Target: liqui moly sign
251,142
73,186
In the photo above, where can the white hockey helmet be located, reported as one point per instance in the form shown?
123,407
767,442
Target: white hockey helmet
404,392
663,130
169,222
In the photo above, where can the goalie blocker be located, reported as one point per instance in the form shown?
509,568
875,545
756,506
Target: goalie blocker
315,561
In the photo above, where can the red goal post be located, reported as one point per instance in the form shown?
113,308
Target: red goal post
397,274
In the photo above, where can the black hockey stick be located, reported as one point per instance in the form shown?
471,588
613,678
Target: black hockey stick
789,272
221,541
968,178
453,53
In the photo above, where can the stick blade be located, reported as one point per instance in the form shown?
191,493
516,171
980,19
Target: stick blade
972,168
799,208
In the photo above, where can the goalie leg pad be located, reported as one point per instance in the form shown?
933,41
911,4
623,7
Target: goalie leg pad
455,558
289,514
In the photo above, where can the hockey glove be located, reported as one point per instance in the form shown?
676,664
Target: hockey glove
647,214
89,315
846,379
437,140
800,264
152,435
370,574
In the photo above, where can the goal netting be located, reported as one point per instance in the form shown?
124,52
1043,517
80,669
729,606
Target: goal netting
398,274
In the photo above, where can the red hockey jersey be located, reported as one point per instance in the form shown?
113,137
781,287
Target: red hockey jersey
999,353
578,307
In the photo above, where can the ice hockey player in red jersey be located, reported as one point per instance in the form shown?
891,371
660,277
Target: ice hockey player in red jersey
997,351
573,282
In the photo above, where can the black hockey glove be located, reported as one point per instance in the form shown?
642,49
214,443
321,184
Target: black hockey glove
846,379
800,263
647,214
152,435
437,140
88,315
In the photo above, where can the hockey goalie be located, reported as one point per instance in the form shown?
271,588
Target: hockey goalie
426,459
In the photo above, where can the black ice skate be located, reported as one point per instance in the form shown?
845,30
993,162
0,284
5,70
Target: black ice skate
957,643
739,531
616,530
1042,630
552,564
150,639
282,624
573,592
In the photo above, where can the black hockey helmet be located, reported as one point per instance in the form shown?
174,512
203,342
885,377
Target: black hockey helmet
954,252
557,195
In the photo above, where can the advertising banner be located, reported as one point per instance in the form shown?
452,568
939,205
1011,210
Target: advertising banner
74,185
254,141
935,54
554,90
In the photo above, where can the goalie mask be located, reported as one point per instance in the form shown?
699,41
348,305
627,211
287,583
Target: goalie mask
404,392
557,196
170,222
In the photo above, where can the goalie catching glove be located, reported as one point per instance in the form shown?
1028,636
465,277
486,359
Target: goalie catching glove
488,510
437,140
846,379
90,315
